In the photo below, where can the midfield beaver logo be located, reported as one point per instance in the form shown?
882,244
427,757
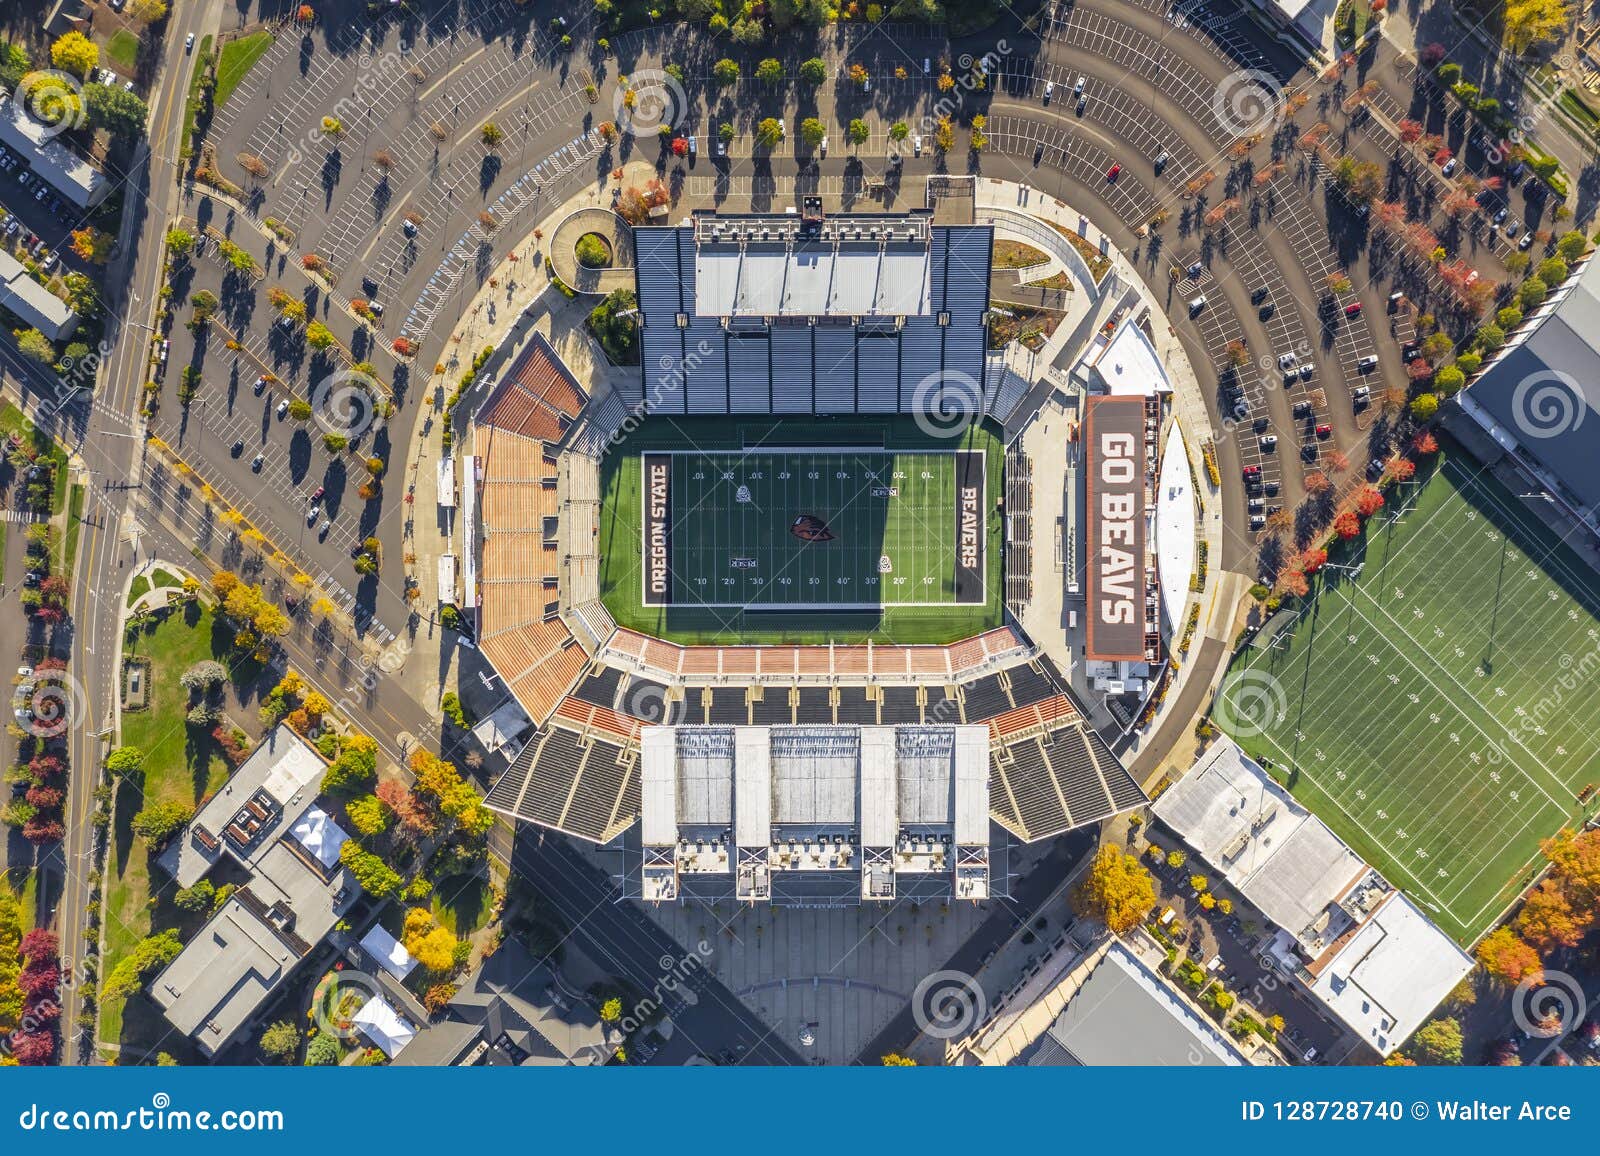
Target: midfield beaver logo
810,528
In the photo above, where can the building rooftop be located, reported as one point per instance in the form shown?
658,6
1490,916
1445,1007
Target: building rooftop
1539,395
1125,1016
67,172
1274,852
32,302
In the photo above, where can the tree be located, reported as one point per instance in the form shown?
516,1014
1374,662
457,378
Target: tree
126,763
35,346
429,944
198,898
147,957
724,73
769,71
1424,406
147,11
1410,131
1531,293
280,1041
1509,958
592,252
1576,861
748,32
896,1060
1439,1041
413,816
1347,525
1369,501
611,1010
1117,890
856,132
1552,270
814,71
1449,380
944,134
1530,24
769,132
323,1051
159,821
75,53
319,336
899,130
1547,919
375,876
367,815
180,243
491,135
1572,245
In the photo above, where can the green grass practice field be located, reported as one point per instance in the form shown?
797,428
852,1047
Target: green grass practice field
803,531
1436,709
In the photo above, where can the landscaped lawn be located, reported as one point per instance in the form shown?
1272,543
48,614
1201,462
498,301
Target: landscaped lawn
238,57
174,770
461,903
123,47
69,547
12,421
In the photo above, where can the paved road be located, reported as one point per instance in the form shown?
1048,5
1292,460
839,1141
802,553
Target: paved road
616,934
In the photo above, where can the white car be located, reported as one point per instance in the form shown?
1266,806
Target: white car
188,43
916,146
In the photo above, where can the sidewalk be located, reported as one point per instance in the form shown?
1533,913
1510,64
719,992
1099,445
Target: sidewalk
501,316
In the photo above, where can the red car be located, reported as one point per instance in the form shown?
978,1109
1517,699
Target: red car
1113,172
1251,471
1324,431
1352,309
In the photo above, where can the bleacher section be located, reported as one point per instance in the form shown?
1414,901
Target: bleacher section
520,629
961,660
1019,530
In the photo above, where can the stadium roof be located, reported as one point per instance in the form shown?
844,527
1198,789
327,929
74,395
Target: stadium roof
1125,1016
1539,395
67,172
1278,855
1128,363
803,325
32,303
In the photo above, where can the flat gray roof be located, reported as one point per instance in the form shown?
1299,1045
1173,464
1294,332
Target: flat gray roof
67,172
1542,391
32,302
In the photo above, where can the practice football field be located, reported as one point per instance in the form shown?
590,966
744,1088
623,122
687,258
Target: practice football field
814,528
1436,709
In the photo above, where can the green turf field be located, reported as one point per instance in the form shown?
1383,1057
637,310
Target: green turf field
888,517
885,494
1437,709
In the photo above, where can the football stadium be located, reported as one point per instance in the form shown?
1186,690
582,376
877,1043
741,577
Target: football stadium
760,604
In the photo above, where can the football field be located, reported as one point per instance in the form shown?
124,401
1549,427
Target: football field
817,527
1435,701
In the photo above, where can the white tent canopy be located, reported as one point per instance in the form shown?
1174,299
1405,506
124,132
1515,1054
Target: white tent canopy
381,1024
320,835
388,951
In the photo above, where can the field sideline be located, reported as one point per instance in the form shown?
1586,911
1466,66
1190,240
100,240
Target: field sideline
1435,708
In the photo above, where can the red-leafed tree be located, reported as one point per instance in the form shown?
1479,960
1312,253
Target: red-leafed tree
1508,957
1425,443
39,979
44,798
1317,483
39,944
1369,501
1294,582
1432,53
42,829
1418,369
1313,559
680,147
1403,469
34,1049
1347,525
1338,461
1410,130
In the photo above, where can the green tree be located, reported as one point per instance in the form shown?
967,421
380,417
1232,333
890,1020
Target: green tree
376,877
1531,24
768,133
367,815
280,1041
1489,337
491,135
180,242
1438,1041
899,130
319,336
1552,271
126,763
814,71
35,346
611,1010
300,409
115,109
769,71
1449,380
725,132
75,53
1572,245
197,898
725,72
1532,293
322,1052
1424,406
857,132
160,821
592,252
147,957
812,131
